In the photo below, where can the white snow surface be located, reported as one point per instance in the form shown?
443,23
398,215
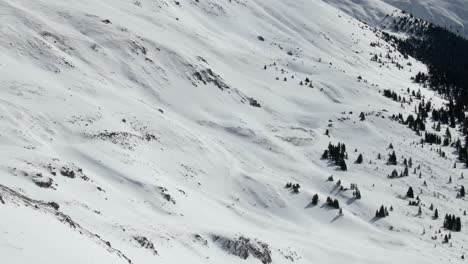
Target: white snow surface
147,102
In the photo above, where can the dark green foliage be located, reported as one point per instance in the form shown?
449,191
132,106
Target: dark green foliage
343,165
452,223
446,55
294,187
382,212
432,138
357,194
359,159
392,159
362,116
337,154
315,199
333,203
393,175
410,192
462,192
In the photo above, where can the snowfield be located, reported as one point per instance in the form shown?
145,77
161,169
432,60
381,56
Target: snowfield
158,131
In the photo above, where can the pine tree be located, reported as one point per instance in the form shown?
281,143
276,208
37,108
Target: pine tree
362,116
336,204
357,194
315,199
392,159
382,212
462,191
406,173
458,224
359,159
394,174
436,214
343,166
410,192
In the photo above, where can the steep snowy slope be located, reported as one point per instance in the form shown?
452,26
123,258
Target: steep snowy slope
162,131
369,11
452,14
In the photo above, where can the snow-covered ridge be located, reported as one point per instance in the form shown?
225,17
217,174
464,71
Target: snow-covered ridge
452,14
165,131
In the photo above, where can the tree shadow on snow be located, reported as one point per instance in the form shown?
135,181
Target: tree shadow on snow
350,201
334,188
326,206
375,219
310,205
335,218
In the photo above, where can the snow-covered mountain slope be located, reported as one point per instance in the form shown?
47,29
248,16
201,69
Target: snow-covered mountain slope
369,11
451,14
162,131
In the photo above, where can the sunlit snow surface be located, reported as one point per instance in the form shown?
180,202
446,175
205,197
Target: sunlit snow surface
151,105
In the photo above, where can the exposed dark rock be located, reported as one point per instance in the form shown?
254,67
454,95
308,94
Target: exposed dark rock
244,247
198,238
67,172
208,76
254,102
54,205
166,195
43,184
19,198
145,243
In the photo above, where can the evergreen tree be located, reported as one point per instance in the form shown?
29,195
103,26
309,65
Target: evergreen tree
359,159
357,194
343,166
392,159
410,192
362,116
315,199
382,212
336,204
406,173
